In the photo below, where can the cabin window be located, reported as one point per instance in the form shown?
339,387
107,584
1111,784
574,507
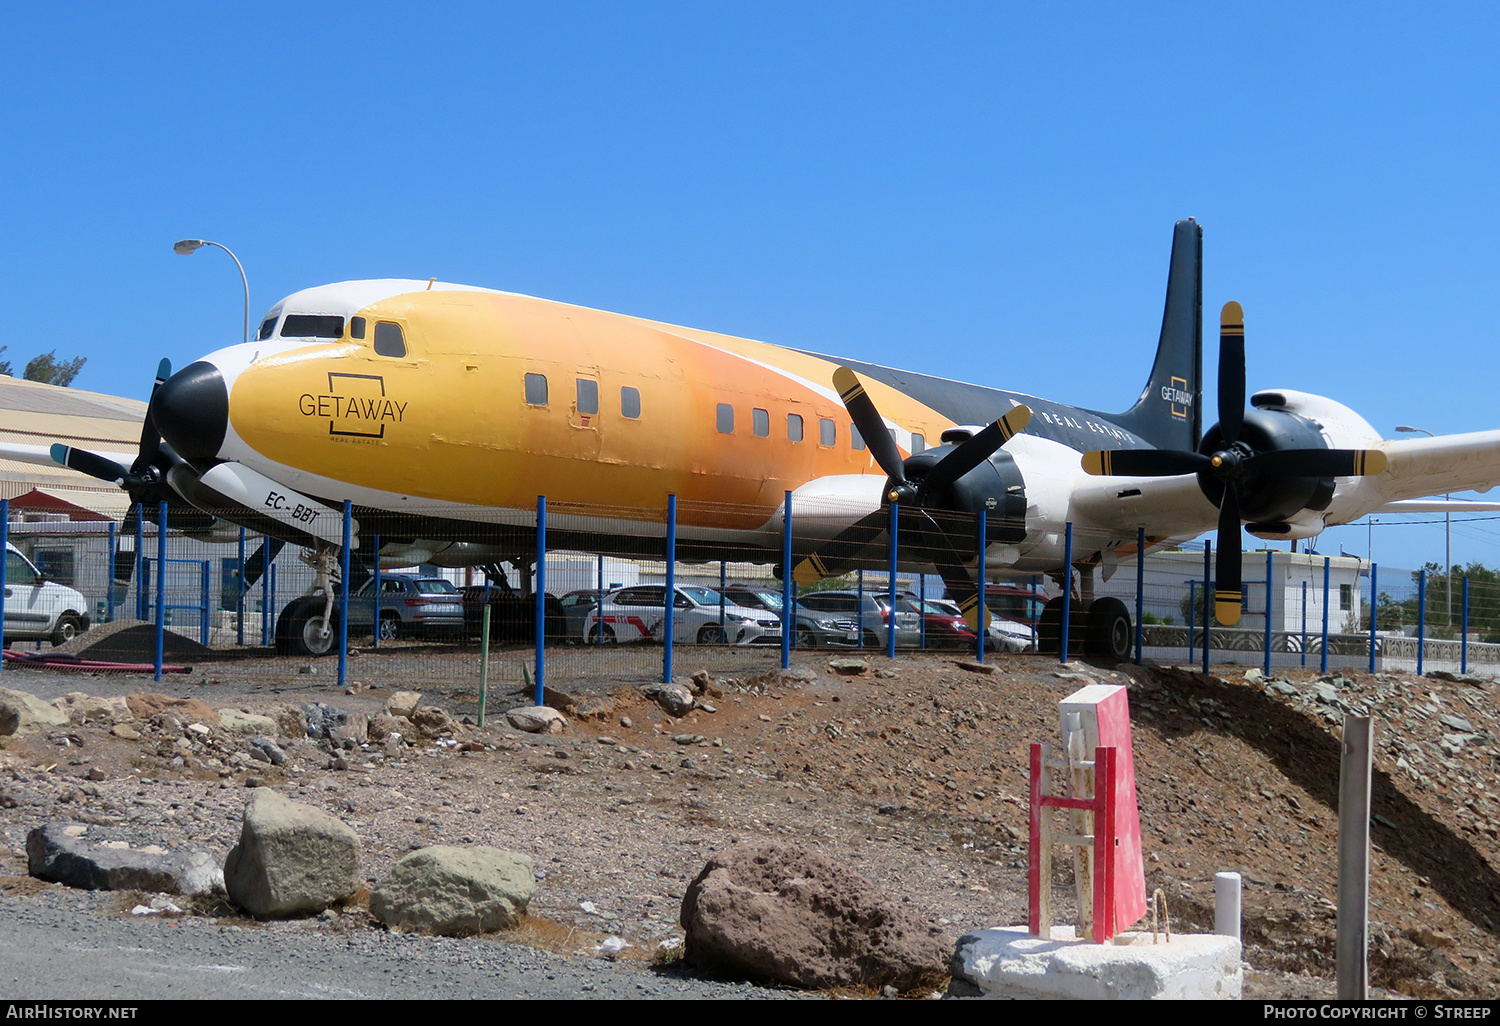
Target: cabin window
267,327
1346,597
726,419
588,395
630,402
794,427
536,389
856,440
760,423
918,443
827,431
356,327
389,341
312,326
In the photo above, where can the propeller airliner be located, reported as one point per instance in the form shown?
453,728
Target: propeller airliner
442,411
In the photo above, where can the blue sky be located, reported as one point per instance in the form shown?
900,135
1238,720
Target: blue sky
978,190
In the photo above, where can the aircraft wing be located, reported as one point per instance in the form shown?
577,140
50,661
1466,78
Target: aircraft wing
1420,467
1167,507
41,455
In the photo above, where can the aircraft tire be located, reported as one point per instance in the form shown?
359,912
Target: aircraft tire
1049,628
299,629
1110,633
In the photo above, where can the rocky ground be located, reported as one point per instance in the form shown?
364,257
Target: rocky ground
912,773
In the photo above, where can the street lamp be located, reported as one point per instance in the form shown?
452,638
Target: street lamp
187,246
1447,530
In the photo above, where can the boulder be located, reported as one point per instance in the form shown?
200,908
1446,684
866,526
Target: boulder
147,704
674,699
291,859
537,719
403,703
21,713
782,914
237,721
455,891
100,858
334,723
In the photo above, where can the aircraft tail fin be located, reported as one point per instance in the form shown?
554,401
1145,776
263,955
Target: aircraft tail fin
1169,413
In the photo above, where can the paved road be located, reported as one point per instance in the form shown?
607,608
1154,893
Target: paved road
63,946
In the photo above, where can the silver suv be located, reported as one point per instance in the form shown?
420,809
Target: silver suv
410,604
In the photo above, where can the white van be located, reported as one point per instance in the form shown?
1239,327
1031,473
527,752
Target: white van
39,609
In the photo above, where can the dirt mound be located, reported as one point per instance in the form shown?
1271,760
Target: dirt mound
130,641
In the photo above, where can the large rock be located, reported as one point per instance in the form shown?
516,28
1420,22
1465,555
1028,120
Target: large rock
21,713
334,723
147,704
111,859
455,891
291,859
782,914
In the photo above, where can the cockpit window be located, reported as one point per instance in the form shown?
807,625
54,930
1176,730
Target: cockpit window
388,339
312,326
267,327
356,327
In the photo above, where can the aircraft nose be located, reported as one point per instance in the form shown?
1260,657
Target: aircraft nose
191,410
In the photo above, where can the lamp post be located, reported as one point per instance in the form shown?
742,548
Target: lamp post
1447,531
187,246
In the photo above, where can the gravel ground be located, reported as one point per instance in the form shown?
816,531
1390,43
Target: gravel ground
912,773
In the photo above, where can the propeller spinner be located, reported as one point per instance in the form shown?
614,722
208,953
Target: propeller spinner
1229,462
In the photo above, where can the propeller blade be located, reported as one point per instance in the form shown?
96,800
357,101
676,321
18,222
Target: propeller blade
1142,462
975,450
255,566
867,419
835,557
150,437
1231,372
949,564
125,559
1228,599
1321,462
89,463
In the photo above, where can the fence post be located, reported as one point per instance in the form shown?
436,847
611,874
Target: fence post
788,590
375,598
1192,618
1140,595
1374,608
981,631
1421,617
1067,596
922,601
724,583
890,586
669,594
1208,591
598,607
1304,623
266,571
859,613
140,562
1270,574
1463,646
344,595
539,635
1327,571
109,576
4,563
239,596
203,604
161,584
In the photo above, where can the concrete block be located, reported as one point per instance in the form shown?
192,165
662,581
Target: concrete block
1009,962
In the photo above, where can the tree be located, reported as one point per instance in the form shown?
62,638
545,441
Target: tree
5,364
47,369
1484,603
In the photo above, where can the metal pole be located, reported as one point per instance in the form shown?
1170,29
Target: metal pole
539,635
161,584
922,598
723,583
1192,618
859,613
239,595
1374,609
788,586
1270,576
203,616
1208,591
484,657
109,576
669,593
1140,595
599,605
375,594
890,586
1463,646
1421,617
980,625
1327,572
343,607
4,563
1351,945
140,562
1304,623
1067,595
266,571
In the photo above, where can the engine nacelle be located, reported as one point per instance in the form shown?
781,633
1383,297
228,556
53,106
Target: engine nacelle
995,486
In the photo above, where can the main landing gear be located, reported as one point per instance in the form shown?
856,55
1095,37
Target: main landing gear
1096,627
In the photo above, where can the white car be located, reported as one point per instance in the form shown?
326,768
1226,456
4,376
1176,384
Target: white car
637,614
37,609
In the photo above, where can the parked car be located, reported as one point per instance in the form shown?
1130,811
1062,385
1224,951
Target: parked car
37,609
810,629
852,613
512,615
1003,636
410,605
637,614
943,625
